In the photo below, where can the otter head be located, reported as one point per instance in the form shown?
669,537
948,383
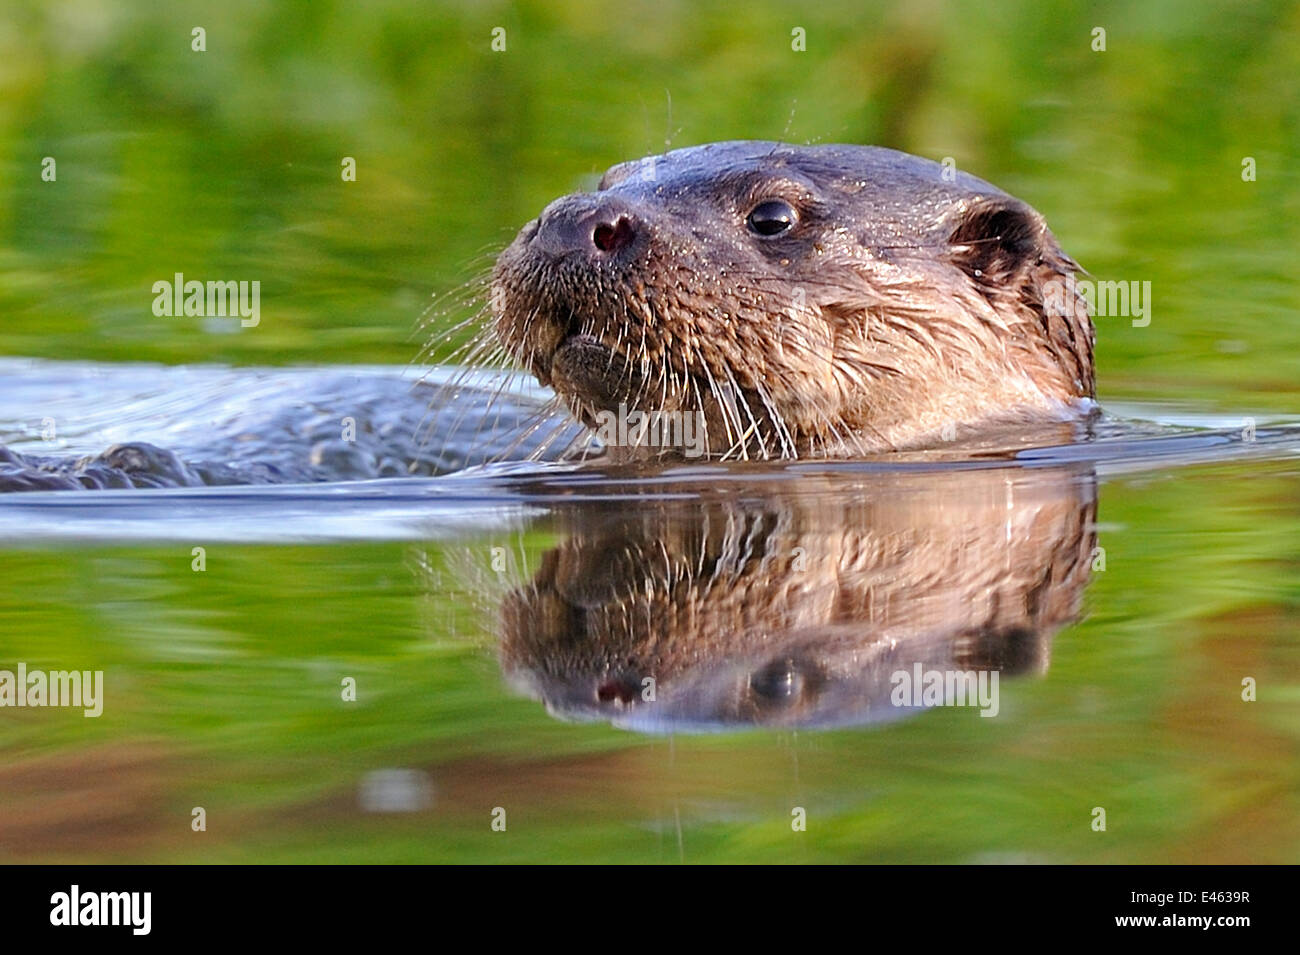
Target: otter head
798,300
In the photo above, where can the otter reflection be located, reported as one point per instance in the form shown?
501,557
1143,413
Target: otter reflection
802,602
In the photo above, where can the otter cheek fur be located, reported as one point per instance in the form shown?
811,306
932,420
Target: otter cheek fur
801,300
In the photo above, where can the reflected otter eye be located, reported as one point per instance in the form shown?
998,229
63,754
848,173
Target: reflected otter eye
771,217
779,682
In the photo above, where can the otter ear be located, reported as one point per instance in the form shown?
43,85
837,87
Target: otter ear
995,238
627,170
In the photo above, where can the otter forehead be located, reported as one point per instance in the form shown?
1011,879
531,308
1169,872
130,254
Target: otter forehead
876,189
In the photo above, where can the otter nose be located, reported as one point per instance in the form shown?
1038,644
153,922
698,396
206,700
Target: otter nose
585,224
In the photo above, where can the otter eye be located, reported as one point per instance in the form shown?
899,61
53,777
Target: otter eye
771,217
779,683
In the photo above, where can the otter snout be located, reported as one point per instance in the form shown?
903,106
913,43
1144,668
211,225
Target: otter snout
598,225
541,286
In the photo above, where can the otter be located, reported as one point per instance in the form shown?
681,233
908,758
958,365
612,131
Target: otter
784,301
797,605
828,300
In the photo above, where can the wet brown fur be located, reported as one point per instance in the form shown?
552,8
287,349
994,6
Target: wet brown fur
908,306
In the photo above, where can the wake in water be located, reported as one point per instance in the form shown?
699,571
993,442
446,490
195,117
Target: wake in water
79,425
206,426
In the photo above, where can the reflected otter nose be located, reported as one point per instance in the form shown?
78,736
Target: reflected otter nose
585,224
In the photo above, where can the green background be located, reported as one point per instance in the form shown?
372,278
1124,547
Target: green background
226,164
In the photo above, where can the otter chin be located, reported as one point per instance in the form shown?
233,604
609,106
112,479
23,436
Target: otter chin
798,301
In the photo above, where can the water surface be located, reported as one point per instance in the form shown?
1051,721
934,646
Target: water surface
500,624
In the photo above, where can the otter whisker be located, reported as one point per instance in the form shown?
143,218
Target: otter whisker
736,392
788,448
729,414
